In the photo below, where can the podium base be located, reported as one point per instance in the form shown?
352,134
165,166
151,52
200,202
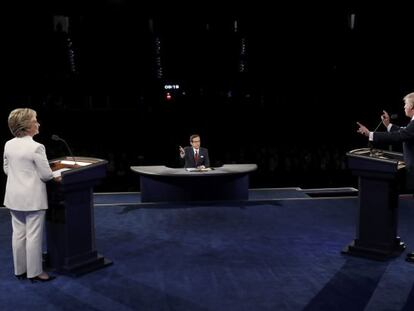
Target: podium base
86,267
79,268
374,252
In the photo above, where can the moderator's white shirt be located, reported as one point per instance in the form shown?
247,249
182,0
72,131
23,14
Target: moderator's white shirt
27,169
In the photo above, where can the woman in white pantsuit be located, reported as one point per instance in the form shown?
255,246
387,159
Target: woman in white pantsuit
27,169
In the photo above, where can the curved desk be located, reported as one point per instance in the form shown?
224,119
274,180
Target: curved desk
163,184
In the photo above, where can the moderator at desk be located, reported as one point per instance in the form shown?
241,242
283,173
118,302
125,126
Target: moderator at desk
165,184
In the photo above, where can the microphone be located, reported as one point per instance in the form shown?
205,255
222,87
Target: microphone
370,145
392,117
57,138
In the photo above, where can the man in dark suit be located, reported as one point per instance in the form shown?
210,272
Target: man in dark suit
394,134
195,156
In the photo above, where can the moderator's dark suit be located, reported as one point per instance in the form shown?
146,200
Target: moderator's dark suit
189,160
406,136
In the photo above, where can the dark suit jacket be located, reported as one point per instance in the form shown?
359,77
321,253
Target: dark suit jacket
189,160
405,135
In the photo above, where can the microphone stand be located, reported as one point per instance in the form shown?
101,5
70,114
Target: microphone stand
70,151
370,144
55,137
379,124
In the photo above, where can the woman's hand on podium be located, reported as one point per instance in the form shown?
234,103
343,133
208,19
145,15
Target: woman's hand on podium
57,179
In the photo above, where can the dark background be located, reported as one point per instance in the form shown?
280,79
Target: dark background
280,86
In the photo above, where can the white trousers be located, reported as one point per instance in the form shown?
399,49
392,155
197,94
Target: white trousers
27,241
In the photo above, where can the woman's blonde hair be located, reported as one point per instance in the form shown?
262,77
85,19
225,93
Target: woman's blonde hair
20,121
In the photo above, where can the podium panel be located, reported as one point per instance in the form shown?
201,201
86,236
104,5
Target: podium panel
70,223
379,174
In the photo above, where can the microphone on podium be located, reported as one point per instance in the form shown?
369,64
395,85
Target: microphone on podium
392,117
57,138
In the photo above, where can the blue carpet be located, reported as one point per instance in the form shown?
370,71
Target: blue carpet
281,255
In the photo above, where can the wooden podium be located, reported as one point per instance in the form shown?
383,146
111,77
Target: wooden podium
70,218
379,173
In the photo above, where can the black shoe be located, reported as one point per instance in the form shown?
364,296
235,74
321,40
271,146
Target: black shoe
410,255
22,276
37,279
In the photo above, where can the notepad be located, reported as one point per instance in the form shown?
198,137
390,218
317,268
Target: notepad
195,169
67,162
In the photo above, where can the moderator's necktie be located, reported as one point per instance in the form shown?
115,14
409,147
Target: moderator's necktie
196,157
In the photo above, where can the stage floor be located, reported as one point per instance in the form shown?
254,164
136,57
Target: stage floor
126,198
265,254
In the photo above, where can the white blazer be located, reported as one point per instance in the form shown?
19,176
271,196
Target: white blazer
27,168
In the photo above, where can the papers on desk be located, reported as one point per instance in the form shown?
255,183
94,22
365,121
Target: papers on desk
73,163
58,173
195,169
